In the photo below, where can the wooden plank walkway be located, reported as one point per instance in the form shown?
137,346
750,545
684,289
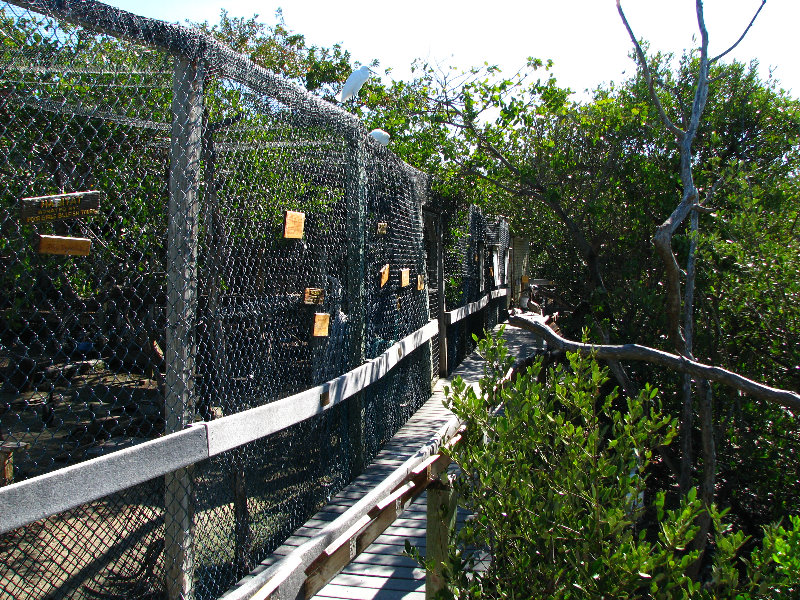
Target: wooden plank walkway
382,572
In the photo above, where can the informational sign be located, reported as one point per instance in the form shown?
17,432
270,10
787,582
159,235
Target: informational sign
384,274
44,209
383,228
321,324
314,296
420,282
69,246
405,277
293,224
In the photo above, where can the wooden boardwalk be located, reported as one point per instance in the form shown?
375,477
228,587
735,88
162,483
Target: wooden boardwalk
381,572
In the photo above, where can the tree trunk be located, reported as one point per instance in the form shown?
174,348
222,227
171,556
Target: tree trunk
687,415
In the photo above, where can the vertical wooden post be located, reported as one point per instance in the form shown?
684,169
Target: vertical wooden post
241,516
441,520
7,464
182,241
7,450
356,201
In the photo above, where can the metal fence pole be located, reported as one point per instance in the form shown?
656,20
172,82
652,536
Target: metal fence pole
182,242
356,200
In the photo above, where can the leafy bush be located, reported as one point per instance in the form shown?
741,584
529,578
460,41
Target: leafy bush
555,481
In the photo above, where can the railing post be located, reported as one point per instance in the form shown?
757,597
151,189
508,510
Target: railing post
356,203
441,520
181,311
7,450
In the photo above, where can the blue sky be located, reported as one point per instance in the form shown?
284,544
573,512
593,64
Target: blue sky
585,38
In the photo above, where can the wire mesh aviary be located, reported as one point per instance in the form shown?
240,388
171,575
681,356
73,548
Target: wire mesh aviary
186,236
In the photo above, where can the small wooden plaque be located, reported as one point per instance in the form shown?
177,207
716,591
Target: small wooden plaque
476,258
321,324
405,277
325,398
314,296
491,271
58,208
420,282
384,273
293,224
383,228
70,246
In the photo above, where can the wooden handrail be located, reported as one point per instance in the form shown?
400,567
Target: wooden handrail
45,495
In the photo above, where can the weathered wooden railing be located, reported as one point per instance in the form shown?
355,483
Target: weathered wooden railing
40,497
311,566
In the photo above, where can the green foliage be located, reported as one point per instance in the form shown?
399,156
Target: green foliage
556,480
281,50
607,171
775,567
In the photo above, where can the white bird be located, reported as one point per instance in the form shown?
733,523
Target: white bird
380,136
354,82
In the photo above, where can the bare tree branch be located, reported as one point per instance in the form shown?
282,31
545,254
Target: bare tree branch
662,240
701,91
648,76
753,20
636,352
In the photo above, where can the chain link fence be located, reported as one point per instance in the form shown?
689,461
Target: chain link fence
476,262
186,236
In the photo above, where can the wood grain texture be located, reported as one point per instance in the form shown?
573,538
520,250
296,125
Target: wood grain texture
44,209
384,275
321,324
293,225
313,296
64,246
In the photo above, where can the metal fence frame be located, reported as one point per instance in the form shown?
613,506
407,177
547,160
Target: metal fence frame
185,442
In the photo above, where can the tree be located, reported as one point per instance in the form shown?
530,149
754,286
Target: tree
604,175
555,482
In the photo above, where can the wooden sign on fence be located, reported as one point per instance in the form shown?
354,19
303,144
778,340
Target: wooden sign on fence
405,277
314,296
384,274
69,246
293,225
44,209
321,324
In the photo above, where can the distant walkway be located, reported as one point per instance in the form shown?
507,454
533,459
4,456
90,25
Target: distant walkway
381,572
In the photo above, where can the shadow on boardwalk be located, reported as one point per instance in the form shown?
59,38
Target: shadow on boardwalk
382,572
